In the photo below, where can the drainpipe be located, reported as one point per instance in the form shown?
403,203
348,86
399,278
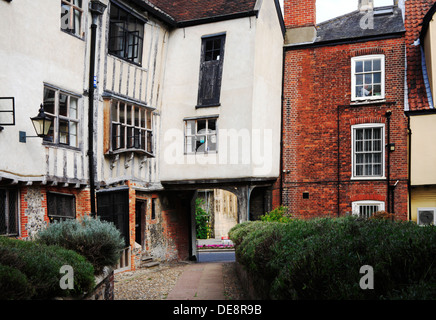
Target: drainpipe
409,185
388,146
96,8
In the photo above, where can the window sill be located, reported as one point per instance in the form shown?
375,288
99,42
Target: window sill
367,178
125,60
59,145
198,106
74,35
130,150
367,102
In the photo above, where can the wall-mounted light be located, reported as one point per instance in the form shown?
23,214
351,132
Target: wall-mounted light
391,147
41,123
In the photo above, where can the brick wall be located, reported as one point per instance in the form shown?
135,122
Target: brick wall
299,13
317,92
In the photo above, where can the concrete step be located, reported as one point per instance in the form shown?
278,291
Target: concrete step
148,262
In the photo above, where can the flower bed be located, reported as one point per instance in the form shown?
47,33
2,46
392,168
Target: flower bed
215,246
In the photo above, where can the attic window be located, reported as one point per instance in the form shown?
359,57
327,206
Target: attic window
126,34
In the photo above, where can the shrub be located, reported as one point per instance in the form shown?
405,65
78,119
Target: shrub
202,220
39,265
98,241
321,258
14,285
279,214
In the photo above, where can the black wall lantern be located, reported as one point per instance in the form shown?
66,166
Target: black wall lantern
41,123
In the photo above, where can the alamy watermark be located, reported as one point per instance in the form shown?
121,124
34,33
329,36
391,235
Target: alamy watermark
67,281
367,281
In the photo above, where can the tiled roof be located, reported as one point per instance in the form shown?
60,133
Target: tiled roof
415,12
191,10
386,21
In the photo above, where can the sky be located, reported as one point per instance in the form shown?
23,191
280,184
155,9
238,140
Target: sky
328,9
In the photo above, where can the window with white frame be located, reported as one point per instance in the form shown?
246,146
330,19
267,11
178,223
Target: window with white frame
368,77
71,16
131,127
63,108
366,209
368,151
201,135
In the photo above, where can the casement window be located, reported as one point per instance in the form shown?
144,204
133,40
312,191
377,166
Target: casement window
63,108
71,16
366,209
201,135
368,151
8,212
60,207
368,77
126,34
211,68
131,127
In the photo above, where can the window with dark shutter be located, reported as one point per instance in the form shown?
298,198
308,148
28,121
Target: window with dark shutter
211,68
60,207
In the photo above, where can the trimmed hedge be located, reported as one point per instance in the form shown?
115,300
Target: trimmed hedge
98,241
321,258
30,270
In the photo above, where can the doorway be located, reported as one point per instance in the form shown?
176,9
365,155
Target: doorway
140,222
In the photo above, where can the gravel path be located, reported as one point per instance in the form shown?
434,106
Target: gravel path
156,283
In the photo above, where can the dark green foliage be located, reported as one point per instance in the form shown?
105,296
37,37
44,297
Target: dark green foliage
202,220
279,214
32,271
321,258
98,241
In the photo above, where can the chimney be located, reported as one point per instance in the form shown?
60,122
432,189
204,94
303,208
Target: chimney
300,21
299,13
366,5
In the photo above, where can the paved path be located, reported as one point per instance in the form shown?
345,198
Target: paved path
200,281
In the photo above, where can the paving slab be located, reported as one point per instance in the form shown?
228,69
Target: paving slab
199,282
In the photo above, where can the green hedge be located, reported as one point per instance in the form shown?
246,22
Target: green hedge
30,270
98,241
321,258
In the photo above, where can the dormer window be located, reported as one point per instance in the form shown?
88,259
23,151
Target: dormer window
368,77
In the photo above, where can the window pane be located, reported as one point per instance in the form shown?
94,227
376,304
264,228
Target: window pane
63,131
376,65
122,113
73,108
212,126
368,78
359,134
377,77
73,134
77,22
377,90
359,66
359,158
359,146
367,65
129,114
201,126
114,115
143,117
359,79
359,91
149,118
63,105
136,116
190,144
49,100
190,127
377,133
359,170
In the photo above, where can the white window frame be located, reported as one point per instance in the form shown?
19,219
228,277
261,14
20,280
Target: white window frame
207,135
357,204
71,137
353,156
353,77
69,17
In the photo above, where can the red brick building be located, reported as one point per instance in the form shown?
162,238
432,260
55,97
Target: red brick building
344,144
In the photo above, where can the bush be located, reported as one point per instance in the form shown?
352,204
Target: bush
98,241
279,214
37,268
14,285
321,258
202,220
